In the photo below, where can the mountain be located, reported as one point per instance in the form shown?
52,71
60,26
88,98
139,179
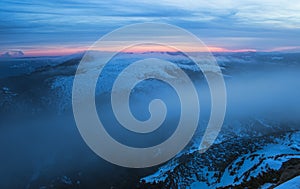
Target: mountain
258,145
251,162
11,54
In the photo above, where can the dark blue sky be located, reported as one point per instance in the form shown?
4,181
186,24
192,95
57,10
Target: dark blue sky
51,25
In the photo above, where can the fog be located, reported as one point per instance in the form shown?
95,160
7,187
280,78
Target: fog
36,150
273,94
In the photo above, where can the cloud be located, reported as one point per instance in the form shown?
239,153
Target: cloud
269,13
228,23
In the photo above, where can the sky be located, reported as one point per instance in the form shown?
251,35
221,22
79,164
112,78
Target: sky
52,27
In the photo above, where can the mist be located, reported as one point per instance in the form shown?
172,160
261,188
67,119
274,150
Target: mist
42,147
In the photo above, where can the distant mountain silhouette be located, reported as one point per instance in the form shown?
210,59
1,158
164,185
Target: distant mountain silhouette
9,54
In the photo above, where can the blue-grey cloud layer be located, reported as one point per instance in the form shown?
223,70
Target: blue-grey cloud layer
36,23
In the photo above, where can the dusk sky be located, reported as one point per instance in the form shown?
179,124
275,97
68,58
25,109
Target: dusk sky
50,27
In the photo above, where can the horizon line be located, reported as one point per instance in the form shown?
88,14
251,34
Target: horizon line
57,53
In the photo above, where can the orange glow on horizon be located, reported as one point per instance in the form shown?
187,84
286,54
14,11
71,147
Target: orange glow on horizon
220,49
60,51
54,51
